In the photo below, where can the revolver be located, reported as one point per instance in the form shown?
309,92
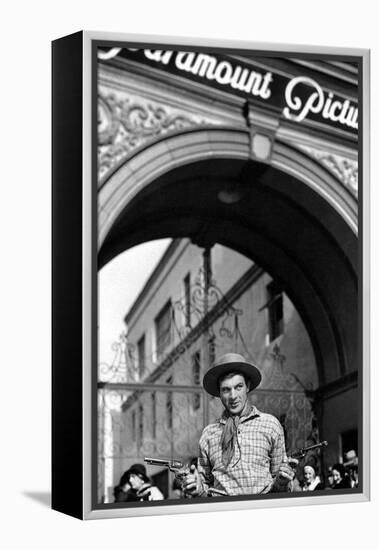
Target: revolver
300,453
176,466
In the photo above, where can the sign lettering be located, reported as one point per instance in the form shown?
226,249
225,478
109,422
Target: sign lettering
300,98
297,109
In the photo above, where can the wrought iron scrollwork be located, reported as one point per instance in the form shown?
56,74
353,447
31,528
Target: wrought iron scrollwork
124,366
205,299
125,123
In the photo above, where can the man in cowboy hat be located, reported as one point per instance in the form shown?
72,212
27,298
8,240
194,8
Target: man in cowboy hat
244,451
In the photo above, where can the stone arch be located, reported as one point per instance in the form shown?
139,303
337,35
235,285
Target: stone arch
149,162
296,220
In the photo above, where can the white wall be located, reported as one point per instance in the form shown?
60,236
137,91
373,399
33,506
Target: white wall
27,28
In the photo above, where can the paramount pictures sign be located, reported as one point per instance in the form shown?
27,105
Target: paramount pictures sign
299,98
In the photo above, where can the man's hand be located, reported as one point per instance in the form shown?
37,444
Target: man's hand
192,483
286,473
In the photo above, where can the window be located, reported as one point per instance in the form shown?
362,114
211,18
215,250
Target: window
187,300
169,405
141,434
196,374
141,357
212,355
153,415
163,329
212,350
275,310
134,426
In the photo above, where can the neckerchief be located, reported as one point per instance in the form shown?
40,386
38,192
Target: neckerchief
229,433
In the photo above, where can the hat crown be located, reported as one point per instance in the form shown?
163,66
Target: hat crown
351,454
230,358
226,364
137,469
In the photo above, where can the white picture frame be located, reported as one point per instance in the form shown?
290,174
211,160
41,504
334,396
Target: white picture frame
272,139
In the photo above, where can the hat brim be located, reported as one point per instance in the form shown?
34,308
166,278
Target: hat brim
211,378
136,471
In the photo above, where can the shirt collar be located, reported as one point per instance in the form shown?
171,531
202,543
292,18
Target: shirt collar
254,412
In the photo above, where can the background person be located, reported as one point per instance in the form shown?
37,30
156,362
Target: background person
351,465
340,479
141,484
123,492
312,482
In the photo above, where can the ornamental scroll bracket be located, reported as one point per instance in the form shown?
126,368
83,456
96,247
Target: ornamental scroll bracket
125,123
344,169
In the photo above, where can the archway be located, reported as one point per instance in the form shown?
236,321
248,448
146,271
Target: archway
299,224
292,217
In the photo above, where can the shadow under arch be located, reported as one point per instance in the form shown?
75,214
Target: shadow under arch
288,225
150,161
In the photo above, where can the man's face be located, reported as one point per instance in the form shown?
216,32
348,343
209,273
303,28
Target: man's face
233,393
135,481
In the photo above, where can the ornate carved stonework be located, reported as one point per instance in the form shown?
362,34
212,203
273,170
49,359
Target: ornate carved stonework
125,123
346,170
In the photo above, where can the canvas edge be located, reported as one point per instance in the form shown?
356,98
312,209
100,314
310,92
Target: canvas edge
365,157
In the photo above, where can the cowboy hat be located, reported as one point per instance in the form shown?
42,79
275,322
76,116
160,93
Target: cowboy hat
351,458
230,362
137,469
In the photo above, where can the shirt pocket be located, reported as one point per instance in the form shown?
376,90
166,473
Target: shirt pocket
256,446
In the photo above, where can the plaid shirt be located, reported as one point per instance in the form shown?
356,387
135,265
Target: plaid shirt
257,456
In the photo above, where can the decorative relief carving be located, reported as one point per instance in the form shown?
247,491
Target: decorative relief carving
346,170
125,123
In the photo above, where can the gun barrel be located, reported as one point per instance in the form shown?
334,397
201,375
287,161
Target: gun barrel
302,452
316,446
163,462
321,444
157,461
